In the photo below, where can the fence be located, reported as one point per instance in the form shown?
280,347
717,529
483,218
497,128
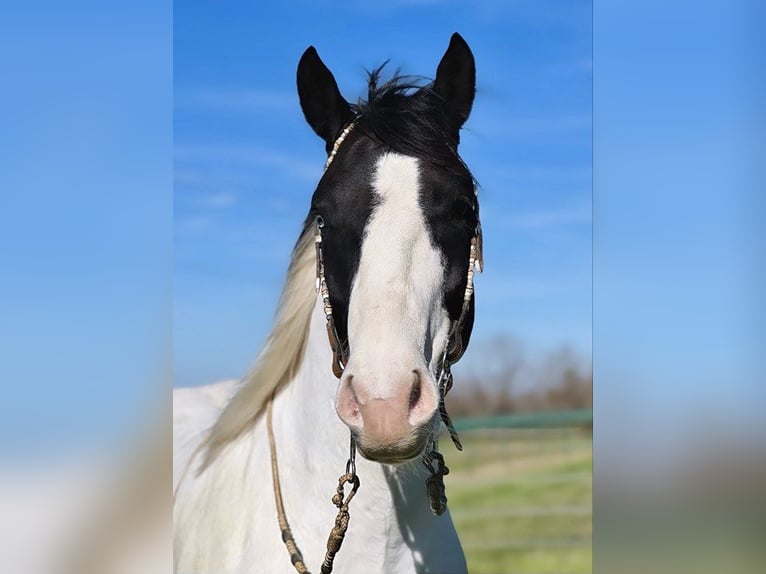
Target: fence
520,493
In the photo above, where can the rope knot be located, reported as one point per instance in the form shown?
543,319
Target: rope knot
437,494
338,497
338,533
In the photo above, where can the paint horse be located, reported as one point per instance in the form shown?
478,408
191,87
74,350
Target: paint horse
377,304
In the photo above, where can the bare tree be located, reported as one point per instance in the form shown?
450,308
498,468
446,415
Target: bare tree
561,380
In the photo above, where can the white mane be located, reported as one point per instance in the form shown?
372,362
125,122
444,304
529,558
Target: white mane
281,356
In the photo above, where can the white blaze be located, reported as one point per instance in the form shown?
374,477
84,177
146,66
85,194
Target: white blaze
396,307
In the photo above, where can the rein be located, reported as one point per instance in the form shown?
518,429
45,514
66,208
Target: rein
453,351
338,531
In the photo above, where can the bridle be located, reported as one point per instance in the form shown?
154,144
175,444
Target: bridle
432,459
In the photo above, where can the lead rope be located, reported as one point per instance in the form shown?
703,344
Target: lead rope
287,536
338,354
340,499
338,532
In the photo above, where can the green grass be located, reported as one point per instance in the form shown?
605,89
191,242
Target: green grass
521,501
531,560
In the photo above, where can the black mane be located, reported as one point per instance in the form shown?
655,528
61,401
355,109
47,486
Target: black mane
406,115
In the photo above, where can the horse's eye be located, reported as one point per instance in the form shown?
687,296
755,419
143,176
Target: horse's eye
462,207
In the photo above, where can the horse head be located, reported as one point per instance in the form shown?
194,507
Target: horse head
398,215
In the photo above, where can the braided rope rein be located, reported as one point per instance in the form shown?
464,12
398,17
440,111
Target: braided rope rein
338,531
287,536
453,351
340,499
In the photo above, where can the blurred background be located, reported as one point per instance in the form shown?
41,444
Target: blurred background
246,164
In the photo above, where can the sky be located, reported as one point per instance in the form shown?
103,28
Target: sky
246,163
85,220
96,308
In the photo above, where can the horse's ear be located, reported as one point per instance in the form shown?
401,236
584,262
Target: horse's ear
455,82
323,106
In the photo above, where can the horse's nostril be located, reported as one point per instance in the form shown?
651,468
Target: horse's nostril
347,402
415,391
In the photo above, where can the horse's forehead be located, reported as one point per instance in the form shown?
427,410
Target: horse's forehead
396,180
403,195
365,174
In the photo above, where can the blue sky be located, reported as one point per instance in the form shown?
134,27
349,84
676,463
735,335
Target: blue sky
85,220
246,163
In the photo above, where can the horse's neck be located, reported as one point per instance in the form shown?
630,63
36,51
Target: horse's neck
307,429
391,529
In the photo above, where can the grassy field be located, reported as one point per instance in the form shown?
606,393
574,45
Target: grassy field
521,500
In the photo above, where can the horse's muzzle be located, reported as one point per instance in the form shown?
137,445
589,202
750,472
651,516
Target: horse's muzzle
393,429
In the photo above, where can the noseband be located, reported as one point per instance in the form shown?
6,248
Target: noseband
432,459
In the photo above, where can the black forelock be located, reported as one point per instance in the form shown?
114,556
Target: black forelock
405,114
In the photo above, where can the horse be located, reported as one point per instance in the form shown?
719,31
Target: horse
377,304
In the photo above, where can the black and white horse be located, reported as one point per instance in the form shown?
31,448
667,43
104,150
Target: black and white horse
397,217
